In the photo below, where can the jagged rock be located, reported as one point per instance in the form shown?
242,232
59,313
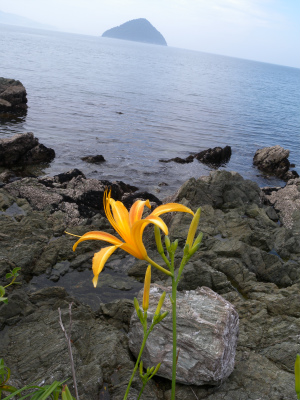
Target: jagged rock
93,159
69,192
12,95
24,149
286,201
216,156
100,350
207,331
274,160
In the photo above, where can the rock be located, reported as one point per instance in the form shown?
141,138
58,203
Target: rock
286,201
274,160
100,351
179,160
71,193
93,159
131,198
12,95
23,149
216,156
207,331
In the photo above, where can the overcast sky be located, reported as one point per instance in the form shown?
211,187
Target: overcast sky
263,30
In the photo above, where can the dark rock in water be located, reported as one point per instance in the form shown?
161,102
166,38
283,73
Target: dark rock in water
180,160
274,160
137,30
12,95
130,199
216,156
93,159
24,149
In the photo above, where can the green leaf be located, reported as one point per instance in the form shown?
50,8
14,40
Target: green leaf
15,270
9,275
4,300
2,291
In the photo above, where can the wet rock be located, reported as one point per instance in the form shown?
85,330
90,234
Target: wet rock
274,160
93,159
216,156
180,160
24,149
207,331
13,96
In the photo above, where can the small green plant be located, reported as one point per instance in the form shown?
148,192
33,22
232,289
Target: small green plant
142,315
13,276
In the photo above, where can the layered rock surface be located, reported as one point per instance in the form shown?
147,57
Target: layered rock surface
250,255
207,332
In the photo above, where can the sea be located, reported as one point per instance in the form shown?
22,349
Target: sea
137,103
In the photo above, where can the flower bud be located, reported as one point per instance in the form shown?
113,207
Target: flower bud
147,288
167,242
193,228
160,303
158,239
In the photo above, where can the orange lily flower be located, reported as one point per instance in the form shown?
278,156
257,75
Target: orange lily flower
130,226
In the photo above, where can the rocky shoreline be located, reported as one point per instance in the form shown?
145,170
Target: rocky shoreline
250,256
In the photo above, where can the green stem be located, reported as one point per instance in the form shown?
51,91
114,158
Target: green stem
165,271
141,392
10,282
137,361
174,291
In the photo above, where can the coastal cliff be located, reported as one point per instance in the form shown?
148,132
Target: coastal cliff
137,30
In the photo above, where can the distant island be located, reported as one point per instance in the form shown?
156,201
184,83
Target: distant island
136,30
14,19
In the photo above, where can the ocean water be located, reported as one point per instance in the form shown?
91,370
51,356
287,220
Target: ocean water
137,103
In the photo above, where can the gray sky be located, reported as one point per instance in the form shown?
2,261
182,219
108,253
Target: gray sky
263,30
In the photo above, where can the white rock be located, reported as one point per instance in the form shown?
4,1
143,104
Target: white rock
207,331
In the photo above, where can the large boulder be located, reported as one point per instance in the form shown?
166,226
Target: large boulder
24,149
274,160
12,95
207,332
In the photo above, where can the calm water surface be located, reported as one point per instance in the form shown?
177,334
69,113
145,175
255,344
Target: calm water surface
136,104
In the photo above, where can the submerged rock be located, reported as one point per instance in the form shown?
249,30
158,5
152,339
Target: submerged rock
207,331
24,149
274,160
93,159
13,96
214,157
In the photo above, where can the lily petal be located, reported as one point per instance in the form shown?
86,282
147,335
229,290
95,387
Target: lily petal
99,261
136,211
170,207
121,218
98,235
138,229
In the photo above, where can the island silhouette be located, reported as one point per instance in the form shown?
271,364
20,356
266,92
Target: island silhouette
137,30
